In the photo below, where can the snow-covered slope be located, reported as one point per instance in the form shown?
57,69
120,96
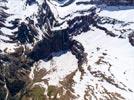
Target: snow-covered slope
66,50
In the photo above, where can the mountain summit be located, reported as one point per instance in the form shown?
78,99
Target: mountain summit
66,49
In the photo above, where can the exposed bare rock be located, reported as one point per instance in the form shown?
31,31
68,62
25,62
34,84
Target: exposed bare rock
66,50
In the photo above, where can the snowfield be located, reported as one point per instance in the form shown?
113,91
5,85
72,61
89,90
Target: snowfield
109,70
120,58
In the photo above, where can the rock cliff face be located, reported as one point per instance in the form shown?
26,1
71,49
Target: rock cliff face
114,2
66,50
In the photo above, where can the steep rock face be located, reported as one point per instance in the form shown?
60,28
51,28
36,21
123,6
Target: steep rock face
14,70
52,50
63,37
53,41
131,38
114,2
30,2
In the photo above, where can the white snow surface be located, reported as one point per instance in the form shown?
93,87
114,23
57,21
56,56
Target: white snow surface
123,13
120,53
120,56
61,12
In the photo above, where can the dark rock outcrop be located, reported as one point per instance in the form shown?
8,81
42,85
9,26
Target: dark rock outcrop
15,67
3,93
44,49
59,40
30,2
14,71
131,38
113,2
25,33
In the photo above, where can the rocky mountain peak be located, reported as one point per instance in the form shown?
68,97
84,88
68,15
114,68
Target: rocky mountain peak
66,50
